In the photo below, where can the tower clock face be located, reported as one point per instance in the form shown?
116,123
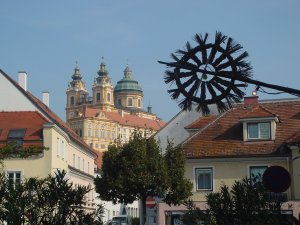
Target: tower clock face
71,114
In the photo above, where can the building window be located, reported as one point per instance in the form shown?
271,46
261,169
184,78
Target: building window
72,100
62,150
83,164
108,97
108,134
57,146
102,134
204,178
256,172
15,137
98,97
80,132
129,102
139,102
119,102
14,177
259,131
78,163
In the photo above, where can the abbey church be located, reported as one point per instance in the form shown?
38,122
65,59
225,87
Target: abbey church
111,113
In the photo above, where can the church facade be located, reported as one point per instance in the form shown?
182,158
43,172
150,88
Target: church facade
111,113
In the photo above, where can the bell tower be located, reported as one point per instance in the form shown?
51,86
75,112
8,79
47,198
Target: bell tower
103,94
76,94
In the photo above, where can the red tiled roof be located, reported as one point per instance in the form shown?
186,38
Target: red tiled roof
31,121
224,137
295,139
49,113
127,120
258,111
201,122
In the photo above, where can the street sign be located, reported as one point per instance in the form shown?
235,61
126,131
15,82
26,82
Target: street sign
150,202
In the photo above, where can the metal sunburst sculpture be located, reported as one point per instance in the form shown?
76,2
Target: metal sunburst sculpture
211,73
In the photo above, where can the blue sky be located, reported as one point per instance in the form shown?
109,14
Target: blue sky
46,38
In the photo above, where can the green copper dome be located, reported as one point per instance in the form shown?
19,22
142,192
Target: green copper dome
127,84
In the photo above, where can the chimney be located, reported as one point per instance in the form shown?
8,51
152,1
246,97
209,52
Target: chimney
23,79
45,98
251,100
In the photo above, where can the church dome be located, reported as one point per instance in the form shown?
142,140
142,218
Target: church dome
128,84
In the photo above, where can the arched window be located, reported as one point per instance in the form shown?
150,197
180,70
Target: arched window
72,100
98,97
108,96
130,102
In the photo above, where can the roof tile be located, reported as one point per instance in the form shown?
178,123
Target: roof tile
31,121
224,137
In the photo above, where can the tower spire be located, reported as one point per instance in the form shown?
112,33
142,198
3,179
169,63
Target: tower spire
77,74
102,70
127,72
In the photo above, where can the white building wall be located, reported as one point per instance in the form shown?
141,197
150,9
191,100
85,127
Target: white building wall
11,99
174,130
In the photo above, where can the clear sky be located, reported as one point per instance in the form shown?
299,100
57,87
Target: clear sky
46,38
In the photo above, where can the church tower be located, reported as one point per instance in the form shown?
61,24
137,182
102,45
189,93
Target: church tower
128,92
103,90
77,94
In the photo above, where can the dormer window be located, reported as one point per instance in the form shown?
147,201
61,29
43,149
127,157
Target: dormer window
15,137
259,124
259,131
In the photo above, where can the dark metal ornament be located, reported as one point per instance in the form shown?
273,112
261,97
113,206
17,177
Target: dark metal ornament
211,73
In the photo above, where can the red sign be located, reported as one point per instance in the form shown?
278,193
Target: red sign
150,202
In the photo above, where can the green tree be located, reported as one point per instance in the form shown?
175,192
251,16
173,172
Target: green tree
137,170
179,188
53,200
247,203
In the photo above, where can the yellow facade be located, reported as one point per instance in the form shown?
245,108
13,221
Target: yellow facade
62,154
296,172
226,172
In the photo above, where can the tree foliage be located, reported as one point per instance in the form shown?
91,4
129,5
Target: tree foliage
137,170
52,200
12,150
247,203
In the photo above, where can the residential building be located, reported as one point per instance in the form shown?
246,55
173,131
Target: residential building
242,142
27,120
110,114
